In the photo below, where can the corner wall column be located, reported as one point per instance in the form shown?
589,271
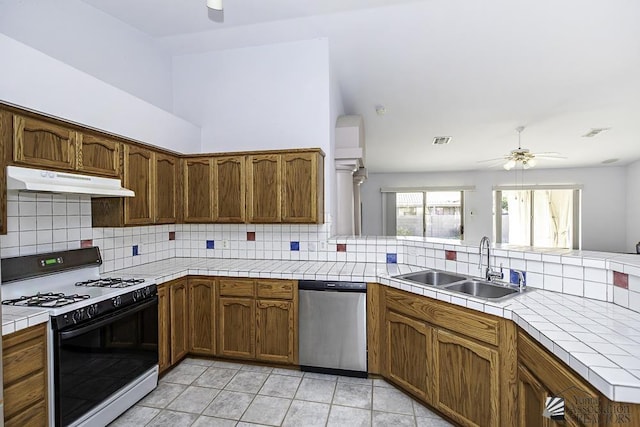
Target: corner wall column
345,200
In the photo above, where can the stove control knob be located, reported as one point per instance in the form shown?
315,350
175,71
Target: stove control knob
91,311
117,301
77,316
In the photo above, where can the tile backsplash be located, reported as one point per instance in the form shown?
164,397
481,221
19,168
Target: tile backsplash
39,222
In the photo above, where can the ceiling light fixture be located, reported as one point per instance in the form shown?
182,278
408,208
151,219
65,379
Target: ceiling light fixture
381,110
214,4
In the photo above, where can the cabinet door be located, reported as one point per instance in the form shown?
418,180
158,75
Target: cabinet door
164,329
166,174
138,175
98,155
275,331
302,188
264,188
202,316
236,326
466,380
179,323
6,148
43,144
531,399
198,186
408,342
229,189
24,360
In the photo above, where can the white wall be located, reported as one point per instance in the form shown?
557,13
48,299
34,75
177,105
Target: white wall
604,199
94,42
633,206
265,97
39,82
337,109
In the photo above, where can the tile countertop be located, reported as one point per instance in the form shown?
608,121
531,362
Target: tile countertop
599,340
17,318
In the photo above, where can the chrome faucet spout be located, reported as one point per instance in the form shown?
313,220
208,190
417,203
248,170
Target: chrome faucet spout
489,273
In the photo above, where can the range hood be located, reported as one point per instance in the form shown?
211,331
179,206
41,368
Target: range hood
26,179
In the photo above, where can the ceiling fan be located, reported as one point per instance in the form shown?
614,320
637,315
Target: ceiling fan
522,156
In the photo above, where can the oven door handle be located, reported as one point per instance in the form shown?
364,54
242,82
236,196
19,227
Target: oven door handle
100,322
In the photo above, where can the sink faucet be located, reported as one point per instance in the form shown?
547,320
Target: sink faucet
521,281
490,274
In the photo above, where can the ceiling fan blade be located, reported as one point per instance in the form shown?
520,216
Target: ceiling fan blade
502,159
549,157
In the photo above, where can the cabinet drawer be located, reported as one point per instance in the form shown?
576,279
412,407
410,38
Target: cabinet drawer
237,288
34,416
24,393
276,289
23,359
458,319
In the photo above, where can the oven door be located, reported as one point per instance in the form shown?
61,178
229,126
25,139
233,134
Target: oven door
94,360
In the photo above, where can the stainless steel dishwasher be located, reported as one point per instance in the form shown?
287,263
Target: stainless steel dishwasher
333,327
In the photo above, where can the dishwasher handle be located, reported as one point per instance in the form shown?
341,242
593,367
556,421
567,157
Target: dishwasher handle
321,285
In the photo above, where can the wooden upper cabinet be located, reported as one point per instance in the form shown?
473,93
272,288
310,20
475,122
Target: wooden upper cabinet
165,189
6,147
43,144
303,188
198,186
98,155
229,189
264,188
138,176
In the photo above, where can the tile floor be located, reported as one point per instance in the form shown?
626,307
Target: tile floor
215,393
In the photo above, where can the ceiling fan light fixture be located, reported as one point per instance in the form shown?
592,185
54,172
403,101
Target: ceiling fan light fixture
509,165
214,4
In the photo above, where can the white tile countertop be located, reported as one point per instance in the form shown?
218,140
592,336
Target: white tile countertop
599,340
17,318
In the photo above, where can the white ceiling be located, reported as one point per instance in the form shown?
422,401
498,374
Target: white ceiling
474,70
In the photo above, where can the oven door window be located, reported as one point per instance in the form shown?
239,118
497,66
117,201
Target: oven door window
96,359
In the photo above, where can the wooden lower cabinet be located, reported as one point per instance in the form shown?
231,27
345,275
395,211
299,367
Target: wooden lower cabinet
275,331
202,319
237,327
531,399
468,377
164,329
173,323
408,342
24,361
466,380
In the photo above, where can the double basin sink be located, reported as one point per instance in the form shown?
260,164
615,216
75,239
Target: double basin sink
461,284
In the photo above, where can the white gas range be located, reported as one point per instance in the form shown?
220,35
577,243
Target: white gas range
103,340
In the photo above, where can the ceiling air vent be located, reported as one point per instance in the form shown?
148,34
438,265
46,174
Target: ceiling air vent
594,131
441,140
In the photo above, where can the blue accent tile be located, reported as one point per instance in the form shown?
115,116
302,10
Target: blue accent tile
513,277
210,244
295,246
392,258
135,250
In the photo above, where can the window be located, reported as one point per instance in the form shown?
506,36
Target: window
546,218
424,214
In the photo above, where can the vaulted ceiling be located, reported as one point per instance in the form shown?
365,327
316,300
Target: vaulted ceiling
473,70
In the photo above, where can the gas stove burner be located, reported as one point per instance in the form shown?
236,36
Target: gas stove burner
110,282
49,299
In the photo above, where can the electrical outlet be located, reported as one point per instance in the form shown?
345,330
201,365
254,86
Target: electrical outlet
323,245
225,244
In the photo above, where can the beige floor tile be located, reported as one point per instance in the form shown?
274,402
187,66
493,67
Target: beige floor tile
194,399
267,410
280,386
229,404
307,414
